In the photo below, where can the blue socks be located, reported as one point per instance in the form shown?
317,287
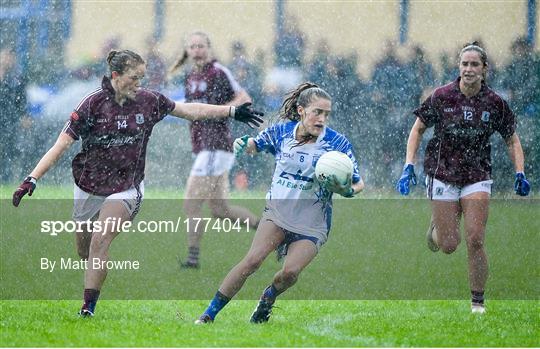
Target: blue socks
220,300
271,293
216,304
90,299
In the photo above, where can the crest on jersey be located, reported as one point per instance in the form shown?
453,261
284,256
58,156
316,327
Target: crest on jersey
315,159
139,119
485,116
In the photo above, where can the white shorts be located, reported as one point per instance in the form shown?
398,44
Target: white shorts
317,236
448,192
86,206
212,163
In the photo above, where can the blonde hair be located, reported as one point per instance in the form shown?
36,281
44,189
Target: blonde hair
182,60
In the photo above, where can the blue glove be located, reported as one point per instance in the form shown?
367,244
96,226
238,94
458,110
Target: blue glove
407,177
344,189
240,145
521,184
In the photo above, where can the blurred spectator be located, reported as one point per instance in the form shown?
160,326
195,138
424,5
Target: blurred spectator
449,68
244,173
289,58
522,79
421,74
348,90
156,69
390,82
290,44
100,62
83,80
351,102
522,84
317,69
12,111
248,75
391,110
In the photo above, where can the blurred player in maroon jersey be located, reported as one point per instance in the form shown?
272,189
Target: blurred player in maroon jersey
209,82
115,123
465,113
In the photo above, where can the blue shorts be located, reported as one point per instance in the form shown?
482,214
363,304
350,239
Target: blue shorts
291,237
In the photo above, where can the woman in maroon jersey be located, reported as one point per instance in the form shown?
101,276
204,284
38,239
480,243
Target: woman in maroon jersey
209,82
464,113
115,123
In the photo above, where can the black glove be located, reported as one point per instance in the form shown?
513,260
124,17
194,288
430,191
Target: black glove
27,186
247,115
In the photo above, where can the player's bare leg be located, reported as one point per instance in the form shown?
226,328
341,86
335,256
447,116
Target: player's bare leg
198,190
111,214
299,255
446,217
83,238
267,237
475,212
220,206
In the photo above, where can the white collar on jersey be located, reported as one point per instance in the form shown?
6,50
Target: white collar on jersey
319,139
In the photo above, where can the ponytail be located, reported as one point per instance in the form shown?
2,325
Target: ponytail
179,63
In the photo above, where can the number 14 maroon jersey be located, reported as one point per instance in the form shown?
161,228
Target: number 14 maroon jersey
114,138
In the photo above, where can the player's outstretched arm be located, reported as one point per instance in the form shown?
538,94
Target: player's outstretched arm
199,111
62,144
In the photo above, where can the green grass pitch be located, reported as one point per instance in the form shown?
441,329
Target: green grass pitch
374,284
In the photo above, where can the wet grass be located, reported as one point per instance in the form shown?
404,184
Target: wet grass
294,324
374,283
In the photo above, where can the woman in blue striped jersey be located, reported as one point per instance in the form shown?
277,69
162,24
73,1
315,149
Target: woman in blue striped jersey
298,213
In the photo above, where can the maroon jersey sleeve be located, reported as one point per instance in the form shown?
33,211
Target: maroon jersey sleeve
78,123
506,124
165,106
427,112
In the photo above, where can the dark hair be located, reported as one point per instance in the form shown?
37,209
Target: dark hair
120,61
303,95
475,46
185,55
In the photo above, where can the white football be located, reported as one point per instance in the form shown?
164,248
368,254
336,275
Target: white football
333,163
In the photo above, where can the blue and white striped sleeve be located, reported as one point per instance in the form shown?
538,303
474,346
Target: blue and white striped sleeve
267,140
344,146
